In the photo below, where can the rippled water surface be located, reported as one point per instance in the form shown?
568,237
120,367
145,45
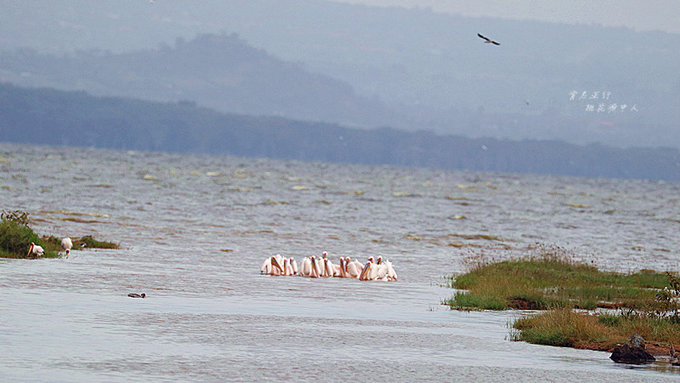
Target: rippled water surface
194,230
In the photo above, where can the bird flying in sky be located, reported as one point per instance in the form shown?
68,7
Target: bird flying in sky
488,40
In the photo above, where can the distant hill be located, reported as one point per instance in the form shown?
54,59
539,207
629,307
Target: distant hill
52,117
216,71
406,68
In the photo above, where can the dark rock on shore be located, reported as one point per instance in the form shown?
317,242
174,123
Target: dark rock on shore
632,352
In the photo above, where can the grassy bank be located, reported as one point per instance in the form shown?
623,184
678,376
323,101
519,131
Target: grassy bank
16,237
599,331
548,281
645,302
83,242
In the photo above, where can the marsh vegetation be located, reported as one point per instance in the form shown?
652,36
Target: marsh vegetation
16,237
581,306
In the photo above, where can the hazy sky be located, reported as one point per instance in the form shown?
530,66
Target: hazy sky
641,15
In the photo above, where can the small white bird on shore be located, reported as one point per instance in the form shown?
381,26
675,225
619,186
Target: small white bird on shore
66,244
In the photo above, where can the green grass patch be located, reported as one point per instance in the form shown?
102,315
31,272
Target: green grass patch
16,237
81,242
648,302
551,280
88,241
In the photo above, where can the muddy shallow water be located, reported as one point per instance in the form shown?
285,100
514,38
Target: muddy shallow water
194,230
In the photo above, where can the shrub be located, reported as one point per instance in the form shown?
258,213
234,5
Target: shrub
16,236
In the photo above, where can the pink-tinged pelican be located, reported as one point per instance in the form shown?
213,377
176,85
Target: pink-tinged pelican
318,262
288,267
337,272
306,267
353,268
277,265
35,250
379,271
266,267
272,265
294,265
385,272
342,269
369,272
391,273
328,266
310,267
66,244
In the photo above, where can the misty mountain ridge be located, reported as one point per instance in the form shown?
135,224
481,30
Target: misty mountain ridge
216,71
407,68
53,117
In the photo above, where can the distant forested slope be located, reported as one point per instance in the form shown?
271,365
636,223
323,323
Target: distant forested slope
221,72
52,117
357,65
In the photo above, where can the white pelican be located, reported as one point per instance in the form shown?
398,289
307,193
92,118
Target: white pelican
391,273
328,266
337,270
385,272
380,271
35,250
294,265
310,267
342,269
306,267
369,272
272,265
320,268
353,268
278,265
288,267
266,267
66,244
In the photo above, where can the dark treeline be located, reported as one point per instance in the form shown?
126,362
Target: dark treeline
52,117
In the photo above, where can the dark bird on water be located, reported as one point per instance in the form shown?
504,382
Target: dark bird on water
488,40
135,295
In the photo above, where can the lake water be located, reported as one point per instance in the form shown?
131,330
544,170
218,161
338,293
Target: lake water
194,231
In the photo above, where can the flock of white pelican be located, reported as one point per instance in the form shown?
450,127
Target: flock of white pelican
316,267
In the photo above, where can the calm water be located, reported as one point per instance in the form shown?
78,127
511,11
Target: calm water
194,230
